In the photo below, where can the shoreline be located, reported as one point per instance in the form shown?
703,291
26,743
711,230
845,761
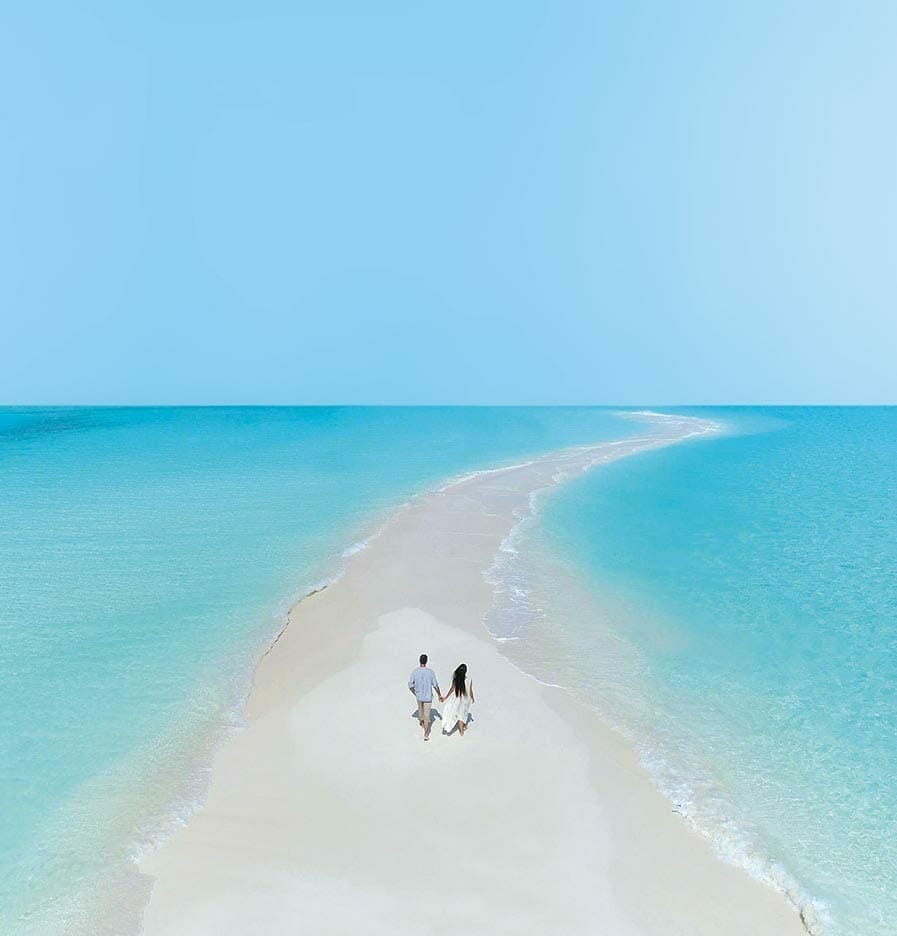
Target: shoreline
420,577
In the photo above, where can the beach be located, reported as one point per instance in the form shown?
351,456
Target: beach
329,814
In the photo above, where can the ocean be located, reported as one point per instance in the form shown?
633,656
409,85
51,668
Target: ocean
147,557
729,602
731,605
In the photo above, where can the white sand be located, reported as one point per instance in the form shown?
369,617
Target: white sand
329,814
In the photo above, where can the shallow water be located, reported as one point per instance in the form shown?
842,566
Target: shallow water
731,603
146,557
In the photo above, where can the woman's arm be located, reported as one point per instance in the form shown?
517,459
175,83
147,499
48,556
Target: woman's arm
472,699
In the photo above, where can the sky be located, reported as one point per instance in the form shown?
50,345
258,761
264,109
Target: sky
417,202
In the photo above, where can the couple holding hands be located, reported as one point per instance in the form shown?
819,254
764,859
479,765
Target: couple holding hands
423,681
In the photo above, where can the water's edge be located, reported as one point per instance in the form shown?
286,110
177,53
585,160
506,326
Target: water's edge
512,593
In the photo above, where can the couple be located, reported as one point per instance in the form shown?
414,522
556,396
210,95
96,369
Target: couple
423,681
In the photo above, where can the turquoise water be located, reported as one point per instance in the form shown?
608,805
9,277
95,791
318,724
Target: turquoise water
732,604
146,557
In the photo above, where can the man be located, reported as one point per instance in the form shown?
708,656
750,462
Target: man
421,683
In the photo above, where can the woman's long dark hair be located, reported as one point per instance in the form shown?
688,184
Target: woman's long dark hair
458,681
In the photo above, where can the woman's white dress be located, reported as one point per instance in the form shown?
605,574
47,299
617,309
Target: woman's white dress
456,709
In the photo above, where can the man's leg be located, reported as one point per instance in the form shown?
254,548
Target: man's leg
420,712
426,721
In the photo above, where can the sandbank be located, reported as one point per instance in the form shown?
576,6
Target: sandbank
328,813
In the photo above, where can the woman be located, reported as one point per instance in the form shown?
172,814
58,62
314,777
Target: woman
461,695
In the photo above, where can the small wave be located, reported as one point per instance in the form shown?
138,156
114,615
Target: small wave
513,612
361,545
472,475
707,809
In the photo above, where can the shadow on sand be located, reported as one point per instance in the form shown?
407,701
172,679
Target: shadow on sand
433,716
454,728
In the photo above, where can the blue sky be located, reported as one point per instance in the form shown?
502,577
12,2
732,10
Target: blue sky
448,202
